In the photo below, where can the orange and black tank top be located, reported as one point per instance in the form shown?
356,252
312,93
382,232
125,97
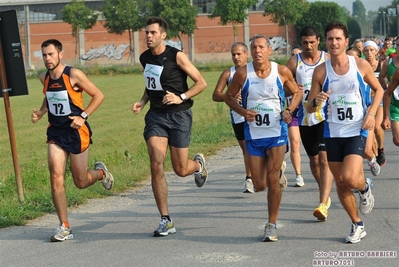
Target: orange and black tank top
62,99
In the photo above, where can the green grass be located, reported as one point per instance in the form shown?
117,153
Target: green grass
116,129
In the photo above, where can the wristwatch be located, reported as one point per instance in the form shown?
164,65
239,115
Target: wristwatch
290,111
183,97
84,115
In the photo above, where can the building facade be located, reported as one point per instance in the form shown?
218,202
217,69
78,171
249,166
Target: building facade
42,19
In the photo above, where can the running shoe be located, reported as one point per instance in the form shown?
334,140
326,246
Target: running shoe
321,212
108,179
62,234
356,234
165,227
202,175
381,157
248,186
374,168
270,233
367,199
283,178
328,205
299,181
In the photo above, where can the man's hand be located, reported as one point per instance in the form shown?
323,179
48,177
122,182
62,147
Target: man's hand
77,121
171,98
36,115
137,107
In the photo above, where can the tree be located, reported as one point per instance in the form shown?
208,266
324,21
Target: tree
80,17
359,13
126,15
285,12
180,16
354,29
319,15
232,11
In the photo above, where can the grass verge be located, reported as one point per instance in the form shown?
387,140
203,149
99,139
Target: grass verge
116,132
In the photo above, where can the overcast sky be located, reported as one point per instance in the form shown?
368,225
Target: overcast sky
368,4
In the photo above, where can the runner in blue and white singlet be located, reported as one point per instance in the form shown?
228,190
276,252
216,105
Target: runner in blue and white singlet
264,85
266,97
346,106
304,73
341,82
235,117
239,56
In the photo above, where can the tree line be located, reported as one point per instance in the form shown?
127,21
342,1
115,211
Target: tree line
130,15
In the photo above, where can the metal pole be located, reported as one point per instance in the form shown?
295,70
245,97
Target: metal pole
385,24
27,39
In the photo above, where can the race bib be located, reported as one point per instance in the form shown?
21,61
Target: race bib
152,76
58,103
396,93
307,84
346,108
266,117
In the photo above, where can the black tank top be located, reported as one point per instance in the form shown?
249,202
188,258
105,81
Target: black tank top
172,79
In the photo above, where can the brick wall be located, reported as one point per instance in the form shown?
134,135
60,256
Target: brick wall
212,41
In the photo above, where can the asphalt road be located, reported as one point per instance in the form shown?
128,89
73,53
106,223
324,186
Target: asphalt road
217,225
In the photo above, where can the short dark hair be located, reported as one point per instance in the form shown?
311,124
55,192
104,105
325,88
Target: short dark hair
309,31
336,25
163,25
55,42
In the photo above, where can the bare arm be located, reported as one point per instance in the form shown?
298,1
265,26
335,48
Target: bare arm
291,65
383,75
38,114
290,88
218,95
316,95
374,84
234,87
386,121
199,81
192,72
80,80
138,106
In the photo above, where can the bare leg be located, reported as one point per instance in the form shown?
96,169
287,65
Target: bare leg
295,153
246,157
274,159
349,175
157,148
326,177
57,160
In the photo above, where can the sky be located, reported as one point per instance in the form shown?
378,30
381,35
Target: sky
368,4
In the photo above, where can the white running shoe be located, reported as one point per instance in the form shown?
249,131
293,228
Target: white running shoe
299,181
62,234
200,176
356,234
108,179
270,233
374,168
248,186
367,198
